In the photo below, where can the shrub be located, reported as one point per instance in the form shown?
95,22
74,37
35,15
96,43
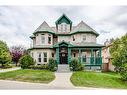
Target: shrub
26,61
75,65
39,67
123,72
52,65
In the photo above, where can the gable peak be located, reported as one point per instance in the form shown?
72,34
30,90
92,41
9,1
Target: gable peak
63,16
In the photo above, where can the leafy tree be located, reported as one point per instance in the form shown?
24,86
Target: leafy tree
5,57
17,52
118,52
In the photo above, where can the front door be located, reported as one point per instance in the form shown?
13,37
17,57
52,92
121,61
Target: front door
63,55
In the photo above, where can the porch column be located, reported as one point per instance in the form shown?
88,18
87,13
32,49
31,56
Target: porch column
69,55
57,55
91,59
100,55
79,54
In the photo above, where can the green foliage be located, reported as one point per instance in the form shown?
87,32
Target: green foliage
118,52
28,75
5,56
39,67
97,79
52,65
26,61
75,65
123,72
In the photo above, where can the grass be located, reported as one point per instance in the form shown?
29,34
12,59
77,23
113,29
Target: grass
38,76
96,79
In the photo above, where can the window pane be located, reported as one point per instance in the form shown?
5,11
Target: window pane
45,54
39,54
52,54
49,40
84,37
39,59
42,39
45,59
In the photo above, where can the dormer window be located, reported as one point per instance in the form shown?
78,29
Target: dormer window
63,27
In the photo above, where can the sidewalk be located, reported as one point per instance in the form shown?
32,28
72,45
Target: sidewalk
10,69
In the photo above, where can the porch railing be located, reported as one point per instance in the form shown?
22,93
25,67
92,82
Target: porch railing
91,60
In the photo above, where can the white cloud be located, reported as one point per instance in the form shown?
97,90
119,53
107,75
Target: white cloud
17,23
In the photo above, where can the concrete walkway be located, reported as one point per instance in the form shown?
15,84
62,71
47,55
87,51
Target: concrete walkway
10,69
62,81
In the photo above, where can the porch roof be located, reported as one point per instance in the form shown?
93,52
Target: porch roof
82,44
87,44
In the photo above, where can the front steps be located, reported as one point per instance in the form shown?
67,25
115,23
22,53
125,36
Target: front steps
63,68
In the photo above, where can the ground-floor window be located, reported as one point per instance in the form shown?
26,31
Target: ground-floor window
45,56
52,54
39,57
74,54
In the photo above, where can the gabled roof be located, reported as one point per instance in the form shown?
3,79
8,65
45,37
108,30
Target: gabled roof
63,17
83,27
62,42
44,27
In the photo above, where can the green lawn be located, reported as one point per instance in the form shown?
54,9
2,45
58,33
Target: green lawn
39,76
94,79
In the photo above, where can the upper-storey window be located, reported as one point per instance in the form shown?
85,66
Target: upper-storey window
63,27
49,39
84,37
73,38
42,38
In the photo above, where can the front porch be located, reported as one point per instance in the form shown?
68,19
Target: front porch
87,56
90,56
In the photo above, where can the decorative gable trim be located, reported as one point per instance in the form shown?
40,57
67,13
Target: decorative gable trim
62,43
62,17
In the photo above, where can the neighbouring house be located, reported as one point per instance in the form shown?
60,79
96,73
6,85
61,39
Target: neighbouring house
64,42
107,64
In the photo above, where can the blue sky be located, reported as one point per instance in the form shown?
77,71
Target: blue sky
17,23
